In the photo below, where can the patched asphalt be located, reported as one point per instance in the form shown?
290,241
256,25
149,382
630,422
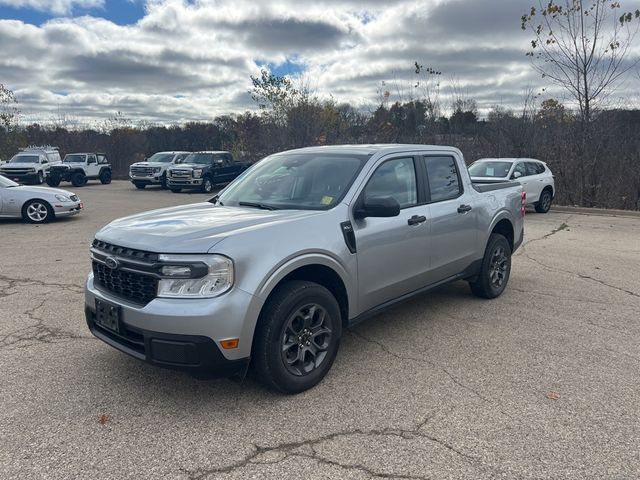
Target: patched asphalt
542,382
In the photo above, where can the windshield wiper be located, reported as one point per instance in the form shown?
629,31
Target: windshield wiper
262,206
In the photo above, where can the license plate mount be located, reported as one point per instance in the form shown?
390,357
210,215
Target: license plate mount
108,315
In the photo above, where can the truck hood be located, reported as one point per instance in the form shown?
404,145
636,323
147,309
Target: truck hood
150,164
19,165
194,228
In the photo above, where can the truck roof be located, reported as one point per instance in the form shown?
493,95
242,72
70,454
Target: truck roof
370,149
211,151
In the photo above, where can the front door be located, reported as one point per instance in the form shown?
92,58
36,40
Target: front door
92,166
452,219
393,257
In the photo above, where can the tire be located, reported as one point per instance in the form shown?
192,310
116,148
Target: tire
140,186
301,314
176,190
544,202
78,179
105,177
40,179
53,180
207,185
496,268
37,211
163,181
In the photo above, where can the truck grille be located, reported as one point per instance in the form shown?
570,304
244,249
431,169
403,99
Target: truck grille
16,171
138,286
142,171
180,173
133,286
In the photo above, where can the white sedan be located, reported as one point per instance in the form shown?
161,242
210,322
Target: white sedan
36,204
534,176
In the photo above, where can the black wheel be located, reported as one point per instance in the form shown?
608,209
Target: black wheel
207,185
105,177
40,179
495,270
140,186
163,181
37,211
544,203
53,180
78,179
176,190
297,337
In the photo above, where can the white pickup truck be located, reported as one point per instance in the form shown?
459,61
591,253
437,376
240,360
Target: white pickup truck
153,171
31,165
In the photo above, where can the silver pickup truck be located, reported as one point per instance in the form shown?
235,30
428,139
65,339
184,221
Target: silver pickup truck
305,243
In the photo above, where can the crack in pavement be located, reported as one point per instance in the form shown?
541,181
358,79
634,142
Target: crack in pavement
12,283
550,268
291,449
39,332
451,376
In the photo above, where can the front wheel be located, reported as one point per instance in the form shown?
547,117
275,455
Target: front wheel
297,337
163,182
40,179
207,185
37,211
53,180
78,179
495,269
544,203
105,177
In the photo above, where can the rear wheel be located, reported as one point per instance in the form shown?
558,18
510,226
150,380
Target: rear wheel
78,179
37,211
140,186
495,269
544,203
105,177
297,337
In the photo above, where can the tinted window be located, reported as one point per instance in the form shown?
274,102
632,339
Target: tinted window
444,179
534,168
394,178
520,168
91,159
199,158
490,169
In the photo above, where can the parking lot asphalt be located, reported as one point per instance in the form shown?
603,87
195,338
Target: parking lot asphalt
543,382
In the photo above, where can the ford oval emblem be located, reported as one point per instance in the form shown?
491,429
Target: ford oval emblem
111,262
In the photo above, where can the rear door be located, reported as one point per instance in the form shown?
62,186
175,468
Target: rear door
528,185
393,257
452,219
535,171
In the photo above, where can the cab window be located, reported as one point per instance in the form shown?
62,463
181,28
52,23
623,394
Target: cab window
444,178
394,178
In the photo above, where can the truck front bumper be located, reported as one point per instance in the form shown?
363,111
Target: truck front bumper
146,180
183,334
184,182
21,178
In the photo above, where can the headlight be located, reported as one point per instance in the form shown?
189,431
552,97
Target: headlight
197,172
62,198
217,278
156,169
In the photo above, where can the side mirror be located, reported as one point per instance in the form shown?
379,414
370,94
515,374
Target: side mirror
381,207
517,174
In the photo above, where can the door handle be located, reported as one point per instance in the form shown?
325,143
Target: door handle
464,208
417,220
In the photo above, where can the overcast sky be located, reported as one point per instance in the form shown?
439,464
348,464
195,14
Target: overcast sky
179,60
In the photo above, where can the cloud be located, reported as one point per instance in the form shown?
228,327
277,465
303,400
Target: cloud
192,59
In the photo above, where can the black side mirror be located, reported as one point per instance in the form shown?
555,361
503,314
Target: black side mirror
378,207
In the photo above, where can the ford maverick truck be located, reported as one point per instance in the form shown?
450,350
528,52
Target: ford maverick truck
268,273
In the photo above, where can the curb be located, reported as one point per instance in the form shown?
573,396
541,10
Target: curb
595,211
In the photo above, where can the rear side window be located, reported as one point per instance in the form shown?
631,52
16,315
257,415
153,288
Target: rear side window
444,178
394,178
534,168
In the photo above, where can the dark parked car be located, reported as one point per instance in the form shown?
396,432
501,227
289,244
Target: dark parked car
203,170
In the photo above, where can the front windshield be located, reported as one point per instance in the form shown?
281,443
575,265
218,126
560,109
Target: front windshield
25,159
74,158
306,181
5,182
490,169
161,158
199,158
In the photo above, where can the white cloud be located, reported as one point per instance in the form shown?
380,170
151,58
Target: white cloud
192,60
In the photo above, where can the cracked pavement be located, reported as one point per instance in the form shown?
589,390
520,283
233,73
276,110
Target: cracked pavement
542,382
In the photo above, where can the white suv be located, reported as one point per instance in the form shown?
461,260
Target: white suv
534,176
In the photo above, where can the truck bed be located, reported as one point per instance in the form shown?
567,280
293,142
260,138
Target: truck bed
490,186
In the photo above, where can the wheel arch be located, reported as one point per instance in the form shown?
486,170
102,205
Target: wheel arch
503,225
23,208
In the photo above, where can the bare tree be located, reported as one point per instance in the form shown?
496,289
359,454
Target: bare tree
8,110
581,46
